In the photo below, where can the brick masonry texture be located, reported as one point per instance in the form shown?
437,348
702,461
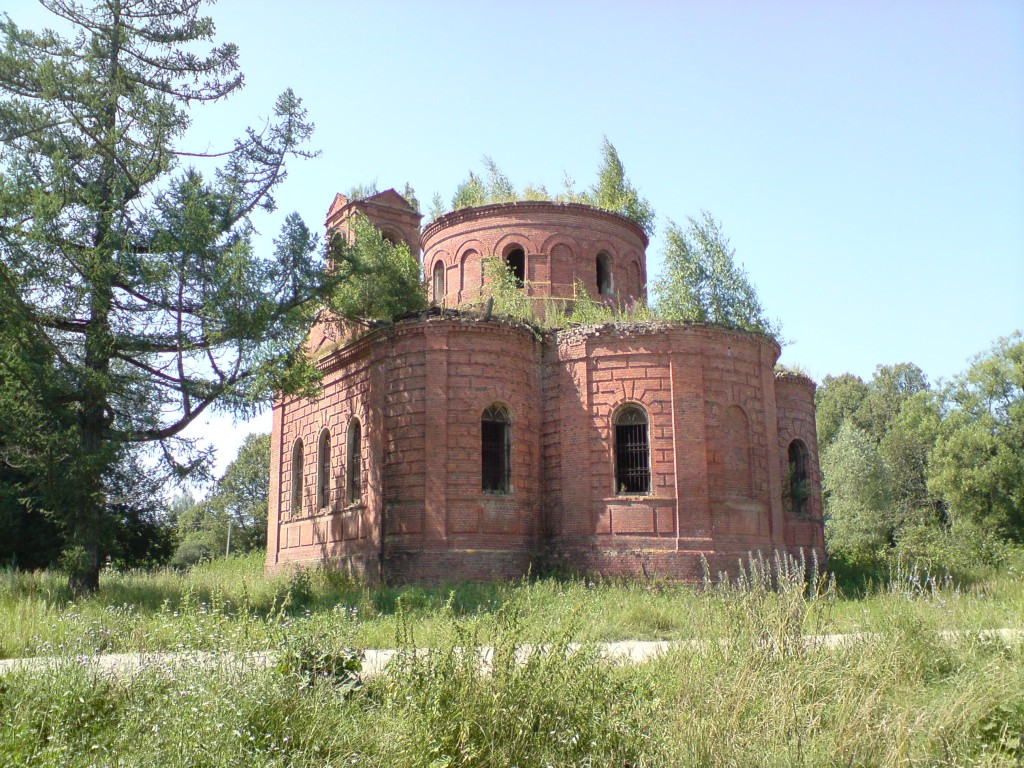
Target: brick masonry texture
720,424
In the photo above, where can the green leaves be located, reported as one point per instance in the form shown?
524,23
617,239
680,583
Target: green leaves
702,282
925,475
612,191
141,275
859,523
380,279
978,460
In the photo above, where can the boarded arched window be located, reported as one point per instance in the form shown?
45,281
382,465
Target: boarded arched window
632,451
605,285
439,282
353,485
323,470
515,257
798,491
733,433
636,280
296,506
495,450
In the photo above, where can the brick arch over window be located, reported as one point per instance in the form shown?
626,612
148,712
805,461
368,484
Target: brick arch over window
323,469
636,279
632,450
496,449
297,459
799,460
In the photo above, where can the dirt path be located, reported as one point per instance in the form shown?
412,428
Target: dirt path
376,660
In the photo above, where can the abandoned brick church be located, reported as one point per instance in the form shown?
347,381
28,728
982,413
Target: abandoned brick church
452,446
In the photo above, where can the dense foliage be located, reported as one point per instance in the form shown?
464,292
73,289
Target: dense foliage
233,517
378,279
134,274
925,474
702,282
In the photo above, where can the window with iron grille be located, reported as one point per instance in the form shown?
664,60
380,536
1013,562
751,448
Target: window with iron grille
496,450
323,470
632,451
353,489
296,507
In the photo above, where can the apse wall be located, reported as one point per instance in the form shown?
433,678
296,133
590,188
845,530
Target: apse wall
441,522
794,394
715,487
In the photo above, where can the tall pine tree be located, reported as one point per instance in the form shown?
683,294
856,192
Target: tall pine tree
135,271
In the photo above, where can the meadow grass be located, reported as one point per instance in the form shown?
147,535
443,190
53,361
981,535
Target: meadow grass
231,605
750,694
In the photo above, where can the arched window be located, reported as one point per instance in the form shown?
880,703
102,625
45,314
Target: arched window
495,450
323,470
353,486
515,257
390,237
439,282
296,507
605,285
632,451
798,491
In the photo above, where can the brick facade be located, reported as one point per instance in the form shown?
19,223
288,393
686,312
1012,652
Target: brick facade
718,426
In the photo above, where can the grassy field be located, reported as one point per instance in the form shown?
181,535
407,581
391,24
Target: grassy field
750,695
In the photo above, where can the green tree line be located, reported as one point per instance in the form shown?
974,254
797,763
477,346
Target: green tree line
925,474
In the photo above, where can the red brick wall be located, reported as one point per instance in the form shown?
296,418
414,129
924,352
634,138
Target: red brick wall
794,395
437,514
706,391
561,242
719,425
347,533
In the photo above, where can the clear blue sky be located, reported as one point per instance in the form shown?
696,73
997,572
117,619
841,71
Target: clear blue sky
865,158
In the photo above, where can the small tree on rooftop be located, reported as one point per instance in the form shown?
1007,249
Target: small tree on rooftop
379,279
702,282
613,191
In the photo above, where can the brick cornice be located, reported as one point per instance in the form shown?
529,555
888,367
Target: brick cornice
526,207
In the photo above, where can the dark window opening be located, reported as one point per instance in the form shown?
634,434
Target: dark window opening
323,471
798,491
604,275
632,452
516,260
495,450
296,507
353,488
438,282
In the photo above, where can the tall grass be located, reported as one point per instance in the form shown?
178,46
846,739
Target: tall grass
746,694
231,605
